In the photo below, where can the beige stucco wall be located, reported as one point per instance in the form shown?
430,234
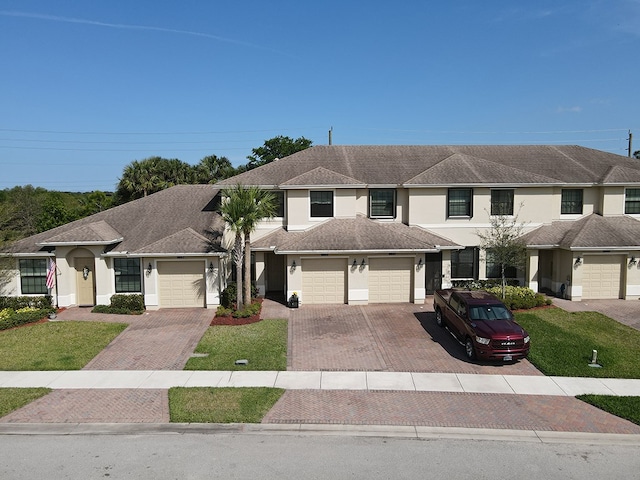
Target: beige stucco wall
344,203
633,276
612,199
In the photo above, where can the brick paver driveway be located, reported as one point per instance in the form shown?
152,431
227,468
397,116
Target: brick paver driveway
157,340
384,337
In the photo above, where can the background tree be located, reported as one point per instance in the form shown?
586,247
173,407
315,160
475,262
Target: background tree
144,177
502,241
277,147
212,169
636,154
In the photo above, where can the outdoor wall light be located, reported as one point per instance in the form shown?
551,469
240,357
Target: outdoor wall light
210,267
578,261
149,268
85,272
293,266
355,263
633,261
420,262
362,264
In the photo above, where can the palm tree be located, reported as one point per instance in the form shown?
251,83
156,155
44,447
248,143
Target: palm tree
242,210
261,204
232,212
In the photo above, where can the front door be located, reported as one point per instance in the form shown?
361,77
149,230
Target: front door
433,272
85,289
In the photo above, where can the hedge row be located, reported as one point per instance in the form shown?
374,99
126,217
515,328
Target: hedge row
10,318
16,303
123,305
520,298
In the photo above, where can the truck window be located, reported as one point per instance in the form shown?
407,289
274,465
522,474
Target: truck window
489,312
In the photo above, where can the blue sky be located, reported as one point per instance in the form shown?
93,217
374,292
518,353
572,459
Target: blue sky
87,86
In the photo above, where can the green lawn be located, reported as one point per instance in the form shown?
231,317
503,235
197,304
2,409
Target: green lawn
623,407
263,344
221,405
13,398
55,345
562,343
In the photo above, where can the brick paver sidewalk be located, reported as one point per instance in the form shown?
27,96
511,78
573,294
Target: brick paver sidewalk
445,409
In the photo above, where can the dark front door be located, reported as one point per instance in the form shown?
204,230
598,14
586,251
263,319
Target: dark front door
433,272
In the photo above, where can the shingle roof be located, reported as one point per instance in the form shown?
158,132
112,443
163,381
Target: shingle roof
591,231
397,164
99,232
176,220
353,234
322,176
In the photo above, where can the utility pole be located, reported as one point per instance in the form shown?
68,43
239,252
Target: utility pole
630,141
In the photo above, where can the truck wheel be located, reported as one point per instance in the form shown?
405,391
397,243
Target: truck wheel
439,321
469,350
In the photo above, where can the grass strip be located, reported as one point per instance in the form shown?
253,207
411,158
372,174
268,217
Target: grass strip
14,398
221,405
562,344
263,344
55,345
623,407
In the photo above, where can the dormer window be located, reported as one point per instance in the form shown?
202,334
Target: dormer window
321,203
382,203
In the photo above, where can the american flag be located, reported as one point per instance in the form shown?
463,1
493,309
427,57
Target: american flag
51,274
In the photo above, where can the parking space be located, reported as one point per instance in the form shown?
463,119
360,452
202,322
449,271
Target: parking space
383,337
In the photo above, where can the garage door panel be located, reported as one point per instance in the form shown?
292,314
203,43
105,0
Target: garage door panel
323,281
390,280
181,284
601,277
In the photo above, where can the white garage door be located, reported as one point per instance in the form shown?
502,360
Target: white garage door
181,284
390,280
323,280
601,277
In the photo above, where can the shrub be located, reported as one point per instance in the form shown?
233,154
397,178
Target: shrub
122,305
134,303
16,303
222,311
519,298
10,318
228,296
483,284
248,310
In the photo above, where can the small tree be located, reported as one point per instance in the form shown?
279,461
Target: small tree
503,240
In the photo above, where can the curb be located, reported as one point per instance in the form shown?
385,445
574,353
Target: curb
388,431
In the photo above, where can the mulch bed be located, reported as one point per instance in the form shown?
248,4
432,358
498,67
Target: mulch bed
229,320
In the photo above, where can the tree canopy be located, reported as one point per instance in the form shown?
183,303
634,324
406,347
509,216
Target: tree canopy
503,244
276,147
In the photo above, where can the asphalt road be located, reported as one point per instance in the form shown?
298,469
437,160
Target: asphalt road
196,456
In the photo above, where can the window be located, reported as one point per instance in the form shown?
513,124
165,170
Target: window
571,201
459,204
33,276
127,272
494,270
632,201
279,201
382,203
501,202
464,263
321,203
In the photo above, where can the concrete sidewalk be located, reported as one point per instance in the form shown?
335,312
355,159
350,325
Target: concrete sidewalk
321,380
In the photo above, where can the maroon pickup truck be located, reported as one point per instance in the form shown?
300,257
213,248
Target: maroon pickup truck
482,323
